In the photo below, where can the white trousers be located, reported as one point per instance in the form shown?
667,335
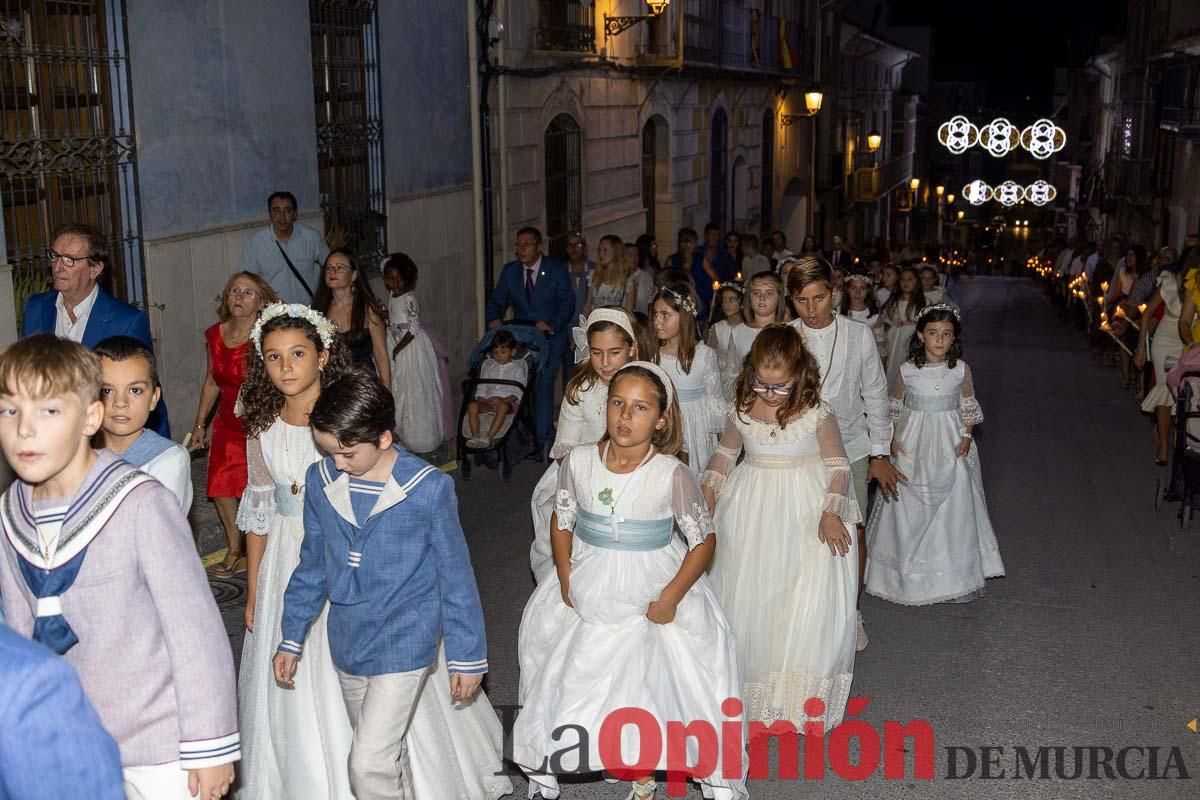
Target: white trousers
381,709
159,782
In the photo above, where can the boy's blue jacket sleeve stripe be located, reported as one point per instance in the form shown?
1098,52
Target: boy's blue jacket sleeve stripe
306,590
462,613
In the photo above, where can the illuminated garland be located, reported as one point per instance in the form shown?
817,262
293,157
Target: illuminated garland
1000,137
1039,193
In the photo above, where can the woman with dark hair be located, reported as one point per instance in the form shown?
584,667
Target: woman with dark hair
346,298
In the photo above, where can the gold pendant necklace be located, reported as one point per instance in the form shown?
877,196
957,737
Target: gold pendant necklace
287,456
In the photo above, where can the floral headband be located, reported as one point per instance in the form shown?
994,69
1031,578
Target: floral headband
939,307
325,329
579,334
737,287
658,371
682,300
865,277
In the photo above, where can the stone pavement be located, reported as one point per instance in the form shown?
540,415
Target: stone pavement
1090,640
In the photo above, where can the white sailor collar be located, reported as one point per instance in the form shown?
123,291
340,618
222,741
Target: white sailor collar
400,483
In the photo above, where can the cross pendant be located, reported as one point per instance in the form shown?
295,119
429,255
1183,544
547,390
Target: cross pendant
615,522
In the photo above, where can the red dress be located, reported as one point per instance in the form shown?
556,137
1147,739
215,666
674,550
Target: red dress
227,447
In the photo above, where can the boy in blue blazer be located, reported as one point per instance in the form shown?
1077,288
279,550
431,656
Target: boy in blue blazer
382,542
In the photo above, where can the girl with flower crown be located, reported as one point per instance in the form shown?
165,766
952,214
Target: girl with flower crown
934,542
294,743
763,304
693,368
627,618
606,340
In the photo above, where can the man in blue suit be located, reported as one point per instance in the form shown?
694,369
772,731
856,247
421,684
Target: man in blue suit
538,289
53,744
79,310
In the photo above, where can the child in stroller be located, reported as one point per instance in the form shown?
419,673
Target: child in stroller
497,399
496,423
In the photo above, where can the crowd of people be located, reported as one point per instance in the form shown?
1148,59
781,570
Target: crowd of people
1140,310
735,392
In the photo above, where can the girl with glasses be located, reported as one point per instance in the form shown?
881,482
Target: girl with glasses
786,572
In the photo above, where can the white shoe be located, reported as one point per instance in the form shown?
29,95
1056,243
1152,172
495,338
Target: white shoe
477,441
860,636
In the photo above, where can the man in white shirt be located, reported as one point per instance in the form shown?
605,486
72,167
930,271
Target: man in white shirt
287,254
853,383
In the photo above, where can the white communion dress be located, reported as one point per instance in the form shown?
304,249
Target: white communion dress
790,601
875,323
741,339
701,404
934,543
899,330
296,742
721,339
582,662
578,423
416,384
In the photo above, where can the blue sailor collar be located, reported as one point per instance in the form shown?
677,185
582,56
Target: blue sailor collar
146,448
107,484
400,484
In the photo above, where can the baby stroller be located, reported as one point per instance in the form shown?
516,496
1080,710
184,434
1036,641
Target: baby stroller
517,439
1183,482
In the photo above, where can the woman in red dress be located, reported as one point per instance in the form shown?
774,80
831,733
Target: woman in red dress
245,295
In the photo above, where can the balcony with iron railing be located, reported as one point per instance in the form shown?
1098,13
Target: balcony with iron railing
1184,120
727,34
566,25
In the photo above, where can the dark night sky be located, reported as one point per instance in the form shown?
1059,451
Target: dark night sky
1013,46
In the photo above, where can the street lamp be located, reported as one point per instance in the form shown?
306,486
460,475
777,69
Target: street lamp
950,199
960,214
939,189
813,98
614,26
914,184
874,139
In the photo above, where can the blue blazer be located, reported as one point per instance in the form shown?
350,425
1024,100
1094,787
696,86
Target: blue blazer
53,744
553,296
397,585
109,317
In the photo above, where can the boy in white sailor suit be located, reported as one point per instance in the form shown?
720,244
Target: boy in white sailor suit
97,563
382,542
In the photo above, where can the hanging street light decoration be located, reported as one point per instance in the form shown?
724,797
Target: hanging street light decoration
977,193
1040,193
1043,139
999,137
1009,193
958,135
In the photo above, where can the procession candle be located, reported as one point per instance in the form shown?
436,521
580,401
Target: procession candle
1104,286
716,285
739,276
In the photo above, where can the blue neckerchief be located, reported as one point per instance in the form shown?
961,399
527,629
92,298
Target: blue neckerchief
50,627
146,448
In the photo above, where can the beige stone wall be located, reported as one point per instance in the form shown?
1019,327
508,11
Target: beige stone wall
184,278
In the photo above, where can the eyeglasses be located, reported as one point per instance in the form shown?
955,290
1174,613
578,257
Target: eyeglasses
249,294
764,390
338,268
68,261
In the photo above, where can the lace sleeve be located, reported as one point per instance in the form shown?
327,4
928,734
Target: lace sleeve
691,515
413,311
968,406
714,400
837,468
258,500
724,458
564,498
896,396
570,427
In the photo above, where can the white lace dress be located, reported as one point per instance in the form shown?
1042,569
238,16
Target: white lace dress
721,339
578,423
899,330
416,385
579,664
741,339
1165,343
701,405
935,543
296,742
790,601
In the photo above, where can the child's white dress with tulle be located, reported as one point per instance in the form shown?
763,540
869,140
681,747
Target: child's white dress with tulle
899,330
722,337
578,423
741,339
415,378
579,664
790,601
701,405
875,323
935,543
296,742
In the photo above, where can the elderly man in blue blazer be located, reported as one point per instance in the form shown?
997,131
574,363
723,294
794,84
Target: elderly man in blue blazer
53,745
79,310
539,290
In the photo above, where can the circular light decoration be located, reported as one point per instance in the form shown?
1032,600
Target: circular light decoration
958,135
1043,138
1040,193
977,193
1009,193
999,137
